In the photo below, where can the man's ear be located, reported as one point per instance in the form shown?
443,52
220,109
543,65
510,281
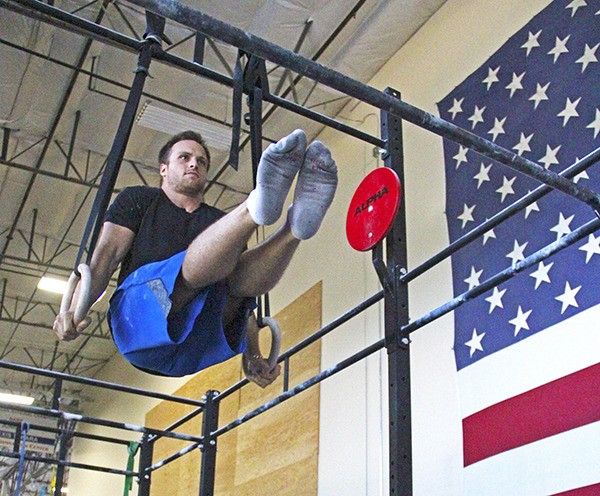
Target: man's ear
163,170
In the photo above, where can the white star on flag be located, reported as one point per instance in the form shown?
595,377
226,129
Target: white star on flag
498,128
532,42
487,235
523,145
520,321
550,157
595,124
580,176
492,77
477,116
506,188
589,56
592,247
473,279
467,215
475,342
568,297
559,48
483,175
569,111
541,274
495,300
461,156
518,252
533,207
562,228
456,107
575,5
539,95
515,84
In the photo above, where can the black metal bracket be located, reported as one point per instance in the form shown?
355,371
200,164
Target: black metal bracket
385,278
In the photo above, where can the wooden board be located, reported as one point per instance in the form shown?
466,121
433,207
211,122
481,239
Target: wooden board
274,453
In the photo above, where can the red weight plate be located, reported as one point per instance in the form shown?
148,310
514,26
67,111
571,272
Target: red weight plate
373,209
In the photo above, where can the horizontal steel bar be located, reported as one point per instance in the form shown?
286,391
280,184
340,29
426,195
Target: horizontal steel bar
334,324
324,75
503,276
173,457
179,423
55,430
97,383
102,422
51,461
501,216
357,357
323,119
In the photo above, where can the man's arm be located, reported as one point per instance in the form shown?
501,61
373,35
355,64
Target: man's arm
256,368
113,244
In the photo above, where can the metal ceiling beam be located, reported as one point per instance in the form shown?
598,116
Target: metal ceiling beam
53,128
105,335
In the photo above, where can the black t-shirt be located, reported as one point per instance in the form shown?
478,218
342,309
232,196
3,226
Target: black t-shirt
161,228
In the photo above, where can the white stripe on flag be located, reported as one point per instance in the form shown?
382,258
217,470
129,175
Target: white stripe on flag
550,466
562,349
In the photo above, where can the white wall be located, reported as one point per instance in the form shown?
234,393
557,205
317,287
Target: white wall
353,449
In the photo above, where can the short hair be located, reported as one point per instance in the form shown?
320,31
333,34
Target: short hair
165,151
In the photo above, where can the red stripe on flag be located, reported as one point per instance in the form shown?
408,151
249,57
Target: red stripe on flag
582,491
558,406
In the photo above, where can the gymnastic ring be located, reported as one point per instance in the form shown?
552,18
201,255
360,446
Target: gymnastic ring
272,324
83,302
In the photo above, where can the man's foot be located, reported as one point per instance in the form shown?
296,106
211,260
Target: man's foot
276,171
317,182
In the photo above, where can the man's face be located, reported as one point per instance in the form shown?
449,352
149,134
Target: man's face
186,171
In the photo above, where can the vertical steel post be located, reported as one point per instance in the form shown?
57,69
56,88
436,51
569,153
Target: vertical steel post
146,453
63,448
396,315
56,394
210,423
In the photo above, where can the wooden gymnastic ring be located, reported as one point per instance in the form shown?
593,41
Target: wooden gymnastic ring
83,301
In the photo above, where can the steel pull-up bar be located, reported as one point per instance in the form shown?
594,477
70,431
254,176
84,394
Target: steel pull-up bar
286,58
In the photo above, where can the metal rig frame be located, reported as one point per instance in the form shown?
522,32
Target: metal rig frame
390,266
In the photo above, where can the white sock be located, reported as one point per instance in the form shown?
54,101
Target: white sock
276,171
317,182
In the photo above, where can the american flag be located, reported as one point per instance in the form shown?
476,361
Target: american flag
528,352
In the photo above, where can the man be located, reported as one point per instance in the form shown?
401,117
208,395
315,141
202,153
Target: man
187,285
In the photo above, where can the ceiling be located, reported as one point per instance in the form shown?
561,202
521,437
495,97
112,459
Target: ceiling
61,98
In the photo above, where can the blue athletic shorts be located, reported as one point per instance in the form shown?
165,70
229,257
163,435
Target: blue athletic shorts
191,340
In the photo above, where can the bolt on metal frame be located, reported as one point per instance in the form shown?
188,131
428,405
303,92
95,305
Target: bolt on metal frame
393,273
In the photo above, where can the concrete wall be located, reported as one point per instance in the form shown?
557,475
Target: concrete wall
353,442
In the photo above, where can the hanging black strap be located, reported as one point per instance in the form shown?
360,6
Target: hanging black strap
236,111
115,157
256,86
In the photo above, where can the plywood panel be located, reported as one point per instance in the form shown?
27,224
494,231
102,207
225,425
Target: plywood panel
274,453
182,477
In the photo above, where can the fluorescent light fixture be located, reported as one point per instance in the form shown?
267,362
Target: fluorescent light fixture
53,285
169,122
16,399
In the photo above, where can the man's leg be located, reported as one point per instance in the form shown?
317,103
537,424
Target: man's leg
260,268
215,253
